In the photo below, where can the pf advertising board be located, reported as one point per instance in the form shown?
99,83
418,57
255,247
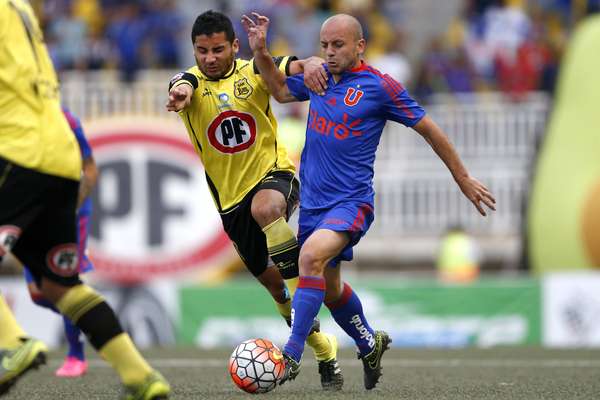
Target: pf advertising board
153,213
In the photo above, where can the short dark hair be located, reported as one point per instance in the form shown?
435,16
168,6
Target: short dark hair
211,22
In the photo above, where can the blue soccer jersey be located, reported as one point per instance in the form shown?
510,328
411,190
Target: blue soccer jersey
343,131
86,152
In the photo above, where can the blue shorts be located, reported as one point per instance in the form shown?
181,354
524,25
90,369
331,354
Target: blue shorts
85,265
354,218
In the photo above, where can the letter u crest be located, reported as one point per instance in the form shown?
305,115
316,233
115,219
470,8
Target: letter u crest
352,97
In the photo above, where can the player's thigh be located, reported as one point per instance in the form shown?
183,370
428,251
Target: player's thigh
320,248
49,244
22,194
247,237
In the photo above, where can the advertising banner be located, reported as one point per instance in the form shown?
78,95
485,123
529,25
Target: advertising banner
571,310
153,212
416,314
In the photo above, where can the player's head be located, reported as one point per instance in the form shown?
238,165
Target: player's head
342,42
215,44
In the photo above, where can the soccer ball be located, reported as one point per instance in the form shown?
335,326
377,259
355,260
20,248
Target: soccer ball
256,366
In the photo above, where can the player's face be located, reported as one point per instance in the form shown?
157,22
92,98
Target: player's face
340,48
215,54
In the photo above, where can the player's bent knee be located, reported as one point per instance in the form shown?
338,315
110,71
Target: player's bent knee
266,213
310,263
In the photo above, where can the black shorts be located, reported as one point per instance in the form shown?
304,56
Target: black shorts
38,222
246,235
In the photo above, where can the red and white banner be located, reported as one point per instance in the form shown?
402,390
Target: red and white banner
153,213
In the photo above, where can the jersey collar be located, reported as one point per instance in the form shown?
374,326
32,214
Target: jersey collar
361,67
227,75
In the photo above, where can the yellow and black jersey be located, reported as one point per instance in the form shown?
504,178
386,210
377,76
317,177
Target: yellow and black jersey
33,130
233,129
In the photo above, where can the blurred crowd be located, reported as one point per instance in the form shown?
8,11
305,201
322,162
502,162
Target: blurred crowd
99,34
514,46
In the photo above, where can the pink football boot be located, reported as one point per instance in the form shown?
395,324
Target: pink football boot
72,368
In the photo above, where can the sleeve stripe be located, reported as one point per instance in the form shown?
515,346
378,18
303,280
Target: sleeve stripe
393,89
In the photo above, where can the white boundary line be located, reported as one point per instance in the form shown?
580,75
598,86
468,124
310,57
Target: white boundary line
405,363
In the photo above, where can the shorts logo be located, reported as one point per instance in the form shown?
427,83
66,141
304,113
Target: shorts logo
9,234
63,260
242,89
232,132
352,97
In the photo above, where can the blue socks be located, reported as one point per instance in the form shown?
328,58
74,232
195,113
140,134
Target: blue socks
348,313
72,332
305,306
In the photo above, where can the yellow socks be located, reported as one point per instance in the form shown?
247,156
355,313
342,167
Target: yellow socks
121,353
90,312
283,247
10,330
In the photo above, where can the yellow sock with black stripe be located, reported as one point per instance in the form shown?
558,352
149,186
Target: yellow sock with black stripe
317,340
10,331
283,247
90,312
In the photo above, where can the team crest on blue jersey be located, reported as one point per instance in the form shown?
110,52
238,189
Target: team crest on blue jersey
352,97
242,88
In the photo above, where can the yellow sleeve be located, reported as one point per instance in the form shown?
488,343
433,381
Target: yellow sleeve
4,10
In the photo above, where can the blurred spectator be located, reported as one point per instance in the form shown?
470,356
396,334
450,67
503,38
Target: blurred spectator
66,35
128,31
393,60
458,258
165,24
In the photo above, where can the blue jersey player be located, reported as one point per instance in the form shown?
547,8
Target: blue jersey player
336,199
74,364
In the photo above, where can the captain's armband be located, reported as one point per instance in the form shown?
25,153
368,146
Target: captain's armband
183,78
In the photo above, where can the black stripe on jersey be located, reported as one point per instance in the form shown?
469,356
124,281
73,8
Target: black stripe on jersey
184,76
268,108
194,132
277,60
287,66
215,193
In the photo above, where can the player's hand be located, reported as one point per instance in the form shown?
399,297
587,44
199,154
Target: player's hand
315,76
257,31
179,98
477,193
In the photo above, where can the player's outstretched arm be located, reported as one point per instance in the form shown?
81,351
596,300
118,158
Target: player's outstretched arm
180,96
273,77
474,190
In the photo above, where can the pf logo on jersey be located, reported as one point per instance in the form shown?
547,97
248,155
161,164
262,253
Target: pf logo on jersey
63,259
232,131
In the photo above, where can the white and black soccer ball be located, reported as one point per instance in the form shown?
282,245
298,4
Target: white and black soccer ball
256,365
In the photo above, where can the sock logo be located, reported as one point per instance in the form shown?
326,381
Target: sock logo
292,318
364,332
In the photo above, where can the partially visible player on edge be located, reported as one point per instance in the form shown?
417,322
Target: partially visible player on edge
40,169
225,107
336,172
74,364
